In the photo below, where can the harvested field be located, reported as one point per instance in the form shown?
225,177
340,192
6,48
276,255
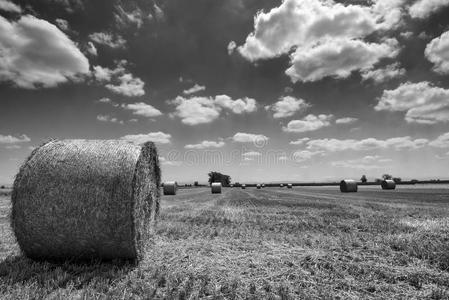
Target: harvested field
309,243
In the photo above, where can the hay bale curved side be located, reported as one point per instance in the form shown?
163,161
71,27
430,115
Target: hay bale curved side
84,199
216,188
388,184
170,188
289,186
281,185
243,186
348,186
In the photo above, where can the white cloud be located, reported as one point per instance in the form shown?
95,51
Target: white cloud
242,137
124,18
200,110
441,142
165,162
424,8
9,139
63,24
300,141
231,47
327,36
105,100
437,51
143,109
6,5
108,118
124,83
128,86
304,155
287,106
194,89
337,58
156,137
35,53
308,123
107,39
381,75
91,49
334,145
422,102
251,154
347,120
159,13
370,162
206,145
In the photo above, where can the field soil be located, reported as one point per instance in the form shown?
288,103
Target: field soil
272,243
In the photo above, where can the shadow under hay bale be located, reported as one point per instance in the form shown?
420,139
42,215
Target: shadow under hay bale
170,188
388,184
216,188
83,200
348,186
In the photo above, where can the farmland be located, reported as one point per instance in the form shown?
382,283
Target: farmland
270,243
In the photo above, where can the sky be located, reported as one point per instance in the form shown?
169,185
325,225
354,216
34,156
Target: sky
261,90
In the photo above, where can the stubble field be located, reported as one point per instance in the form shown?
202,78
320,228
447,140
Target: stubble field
273,243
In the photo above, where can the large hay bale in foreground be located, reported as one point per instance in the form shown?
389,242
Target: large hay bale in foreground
388,184
216,188
348,186
170,188
86,199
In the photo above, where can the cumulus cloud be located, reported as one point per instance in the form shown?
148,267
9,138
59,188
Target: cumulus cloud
107,39
347,120
242,137
397,143
194,89
437,51
173,163
156,137
91,49
108,118
200,110
63,24
9,139
337,58
231,47
304,155
124,83
35,53
300,141
327,36
308,123
384,74
422,102
251,154
125,18
206,145
441,142
287,106
424,8
369,162
143,109
6,5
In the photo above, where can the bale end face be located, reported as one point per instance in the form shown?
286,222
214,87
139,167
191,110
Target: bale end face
216,188
83,200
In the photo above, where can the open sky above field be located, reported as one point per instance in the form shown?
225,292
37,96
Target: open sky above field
261,90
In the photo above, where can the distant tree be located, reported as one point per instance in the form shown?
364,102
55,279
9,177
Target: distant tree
387,176
218,177
237,184
397,179
2,187
378,180
363,179
195,183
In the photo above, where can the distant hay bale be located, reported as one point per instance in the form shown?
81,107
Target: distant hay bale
232,185
281,185
170,187
263,185
258,186
216,188
243,186
86,199
289,186
348,186
388,184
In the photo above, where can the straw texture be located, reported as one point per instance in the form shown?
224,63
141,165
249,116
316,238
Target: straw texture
170,188
85,199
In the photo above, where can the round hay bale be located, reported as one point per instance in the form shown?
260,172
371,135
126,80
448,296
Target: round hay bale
281,185
216,187
289,186
348,186
258,186
388,184
243,186
170,188
263,185
86,199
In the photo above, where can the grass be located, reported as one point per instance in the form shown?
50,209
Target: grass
306,243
